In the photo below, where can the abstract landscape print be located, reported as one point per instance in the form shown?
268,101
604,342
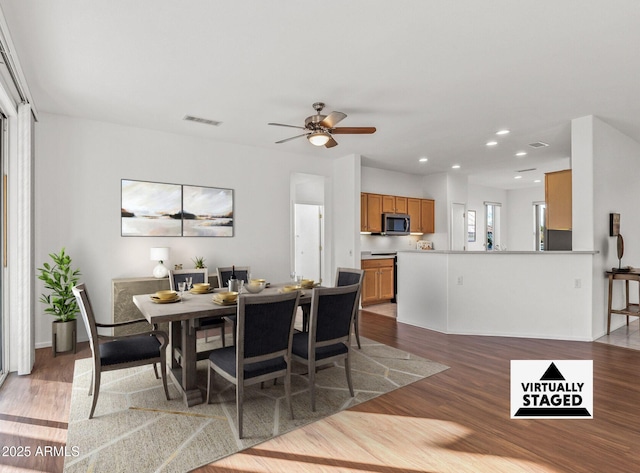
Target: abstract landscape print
160,209
207,211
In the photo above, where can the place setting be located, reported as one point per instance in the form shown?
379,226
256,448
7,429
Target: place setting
165,297
201,288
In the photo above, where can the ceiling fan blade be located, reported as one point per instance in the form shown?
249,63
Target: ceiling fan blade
332,119
292,138
331,143
354,130
290,126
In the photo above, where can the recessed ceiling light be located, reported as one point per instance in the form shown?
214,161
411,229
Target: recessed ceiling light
521,153
492,143
455,166
423,160
518,177
537,181
502,132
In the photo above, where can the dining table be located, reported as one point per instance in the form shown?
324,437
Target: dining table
184,317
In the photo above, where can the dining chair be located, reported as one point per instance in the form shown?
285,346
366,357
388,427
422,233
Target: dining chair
119,352
347,277
198,276
263,352
224,274
329,337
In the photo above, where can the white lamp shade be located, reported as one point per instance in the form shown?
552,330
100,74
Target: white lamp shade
159,254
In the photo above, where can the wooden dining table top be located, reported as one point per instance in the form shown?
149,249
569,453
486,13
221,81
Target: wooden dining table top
193,306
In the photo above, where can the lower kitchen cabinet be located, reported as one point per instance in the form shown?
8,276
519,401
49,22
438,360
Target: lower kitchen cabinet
377,284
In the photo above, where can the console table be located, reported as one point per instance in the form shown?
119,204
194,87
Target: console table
122,306
629,309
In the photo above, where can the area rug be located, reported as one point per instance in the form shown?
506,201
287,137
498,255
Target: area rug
136,429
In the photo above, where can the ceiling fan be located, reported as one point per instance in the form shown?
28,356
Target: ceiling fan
320,128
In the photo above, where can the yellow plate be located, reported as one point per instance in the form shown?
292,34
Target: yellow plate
219,302
208,291
157,300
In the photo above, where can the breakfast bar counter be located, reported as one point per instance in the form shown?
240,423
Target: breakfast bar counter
502,293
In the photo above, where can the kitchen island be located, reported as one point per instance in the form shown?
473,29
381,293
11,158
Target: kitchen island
503,293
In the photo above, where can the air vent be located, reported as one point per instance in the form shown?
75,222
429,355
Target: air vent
526,170
204,121
538,144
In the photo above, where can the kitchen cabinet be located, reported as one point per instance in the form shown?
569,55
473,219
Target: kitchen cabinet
370,213
427,215
557,196
394,204
413,209
372,206
377,283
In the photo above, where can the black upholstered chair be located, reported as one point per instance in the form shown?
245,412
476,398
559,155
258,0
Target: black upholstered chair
329,337
224,273
263,348
122,351
198,276
347,277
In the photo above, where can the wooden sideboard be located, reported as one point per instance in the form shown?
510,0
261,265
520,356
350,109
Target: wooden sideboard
122,307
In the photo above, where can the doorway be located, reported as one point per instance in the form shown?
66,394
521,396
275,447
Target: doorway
308,241
492,220
308,254
539,222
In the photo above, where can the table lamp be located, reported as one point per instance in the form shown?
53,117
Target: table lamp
160,255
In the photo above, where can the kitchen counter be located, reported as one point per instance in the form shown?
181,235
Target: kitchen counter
501,293
366,255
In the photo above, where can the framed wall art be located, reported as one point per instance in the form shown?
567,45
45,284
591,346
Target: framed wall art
161,209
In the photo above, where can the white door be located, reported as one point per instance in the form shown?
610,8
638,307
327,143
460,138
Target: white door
458,228
308,241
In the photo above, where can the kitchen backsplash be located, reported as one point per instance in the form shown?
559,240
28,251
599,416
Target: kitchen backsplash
388,243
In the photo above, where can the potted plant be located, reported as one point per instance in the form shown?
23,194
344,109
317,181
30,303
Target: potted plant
59,278
199,262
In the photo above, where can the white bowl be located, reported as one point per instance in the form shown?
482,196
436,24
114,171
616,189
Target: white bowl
255,288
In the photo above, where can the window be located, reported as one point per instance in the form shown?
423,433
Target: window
471,225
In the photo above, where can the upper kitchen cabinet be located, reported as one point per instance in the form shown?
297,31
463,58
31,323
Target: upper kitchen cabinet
370,213
372,206
557,196
394,204
422,213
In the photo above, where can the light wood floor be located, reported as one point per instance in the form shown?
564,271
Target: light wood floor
455,421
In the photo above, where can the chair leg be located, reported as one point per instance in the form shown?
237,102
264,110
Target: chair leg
239,396
224,343
287,388
96,392
234,334
163,371
312,385
347,370
210,374
356,326
155,370
91,383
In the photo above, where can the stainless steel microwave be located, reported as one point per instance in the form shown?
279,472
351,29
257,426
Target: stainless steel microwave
396,224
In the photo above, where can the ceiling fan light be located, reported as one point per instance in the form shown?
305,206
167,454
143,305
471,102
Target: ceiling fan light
318,138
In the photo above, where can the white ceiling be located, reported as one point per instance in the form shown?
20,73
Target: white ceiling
437,78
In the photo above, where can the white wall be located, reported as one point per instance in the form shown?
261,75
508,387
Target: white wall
436,187
79,165
519,218
380,181
346,195
616,167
